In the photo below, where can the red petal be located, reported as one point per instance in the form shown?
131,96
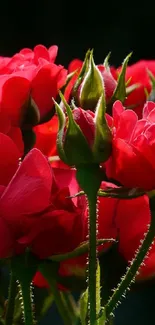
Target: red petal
74,65
47,242
14,92
16,135
44,87
9,156
133,218
40,281
46,135
40,51
29,191
53,50
128,166
128,119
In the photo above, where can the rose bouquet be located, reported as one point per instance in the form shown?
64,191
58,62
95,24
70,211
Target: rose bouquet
77,172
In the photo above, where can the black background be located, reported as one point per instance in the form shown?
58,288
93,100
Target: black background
107,25
117,26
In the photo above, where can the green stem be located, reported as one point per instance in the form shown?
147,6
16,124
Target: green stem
89,178
132,270
60,302
27,304
92,201
11,301
58,297
71,306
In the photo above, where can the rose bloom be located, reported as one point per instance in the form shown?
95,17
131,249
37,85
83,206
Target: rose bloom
35,211
133,147
129,219
30,73
138,74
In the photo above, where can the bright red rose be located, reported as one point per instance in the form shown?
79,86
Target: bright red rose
35,212
133,147
138,74
30,73
128,220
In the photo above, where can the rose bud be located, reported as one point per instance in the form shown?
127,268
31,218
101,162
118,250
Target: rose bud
87,84
84,137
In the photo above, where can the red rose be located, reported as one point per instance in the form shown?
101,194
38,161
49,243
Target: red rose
128,220
138,74
132,162
30,73
35,212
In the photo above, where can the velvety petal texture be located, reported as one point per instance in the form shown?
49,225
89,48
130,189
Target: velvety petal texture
133,147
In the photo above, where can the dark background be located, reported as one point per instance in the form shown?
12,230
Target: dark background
107,25
117,26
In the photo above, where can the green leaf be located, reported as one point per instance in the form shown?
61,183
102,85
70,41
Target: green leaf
62,122
103,138
68,79
82,72
47,304
120,91
84,307
80,250
106,61
92,86
50,271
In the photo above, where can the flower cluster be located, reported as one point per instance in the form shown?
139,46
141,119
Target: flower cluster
85,115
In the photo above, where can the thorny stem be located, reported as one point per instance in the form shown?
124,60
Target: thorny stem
27,304
11,301
89,179
132,270
92,201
